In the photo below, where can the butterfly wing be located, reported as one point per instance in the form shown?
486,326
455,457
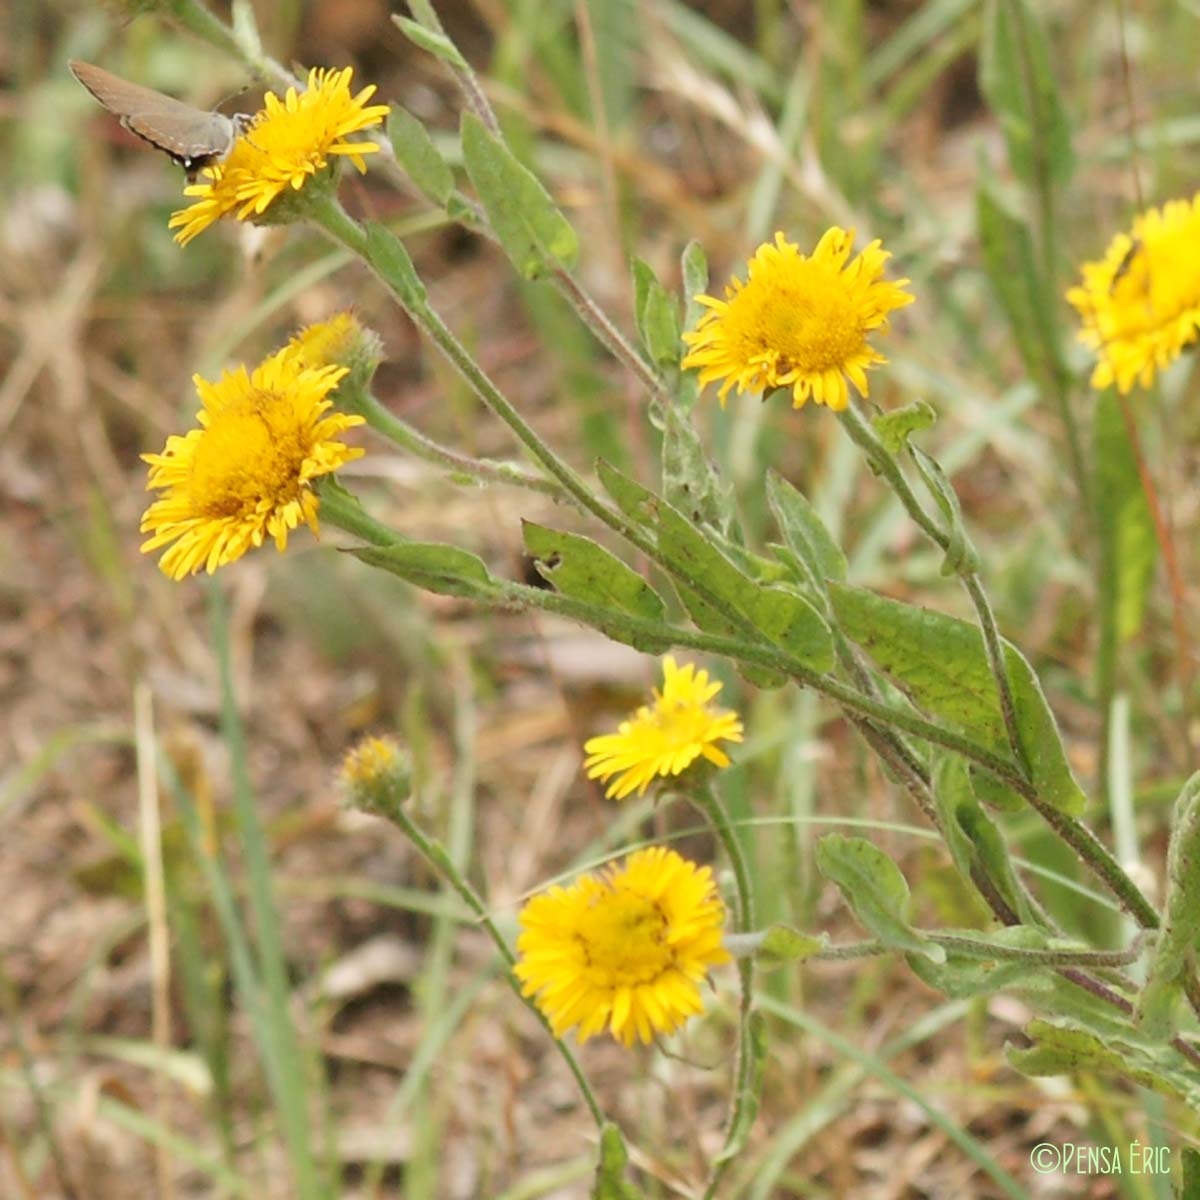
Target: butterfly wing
191,136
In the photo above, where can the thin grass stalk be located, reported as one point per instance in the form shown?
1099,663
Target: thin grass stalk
282,1043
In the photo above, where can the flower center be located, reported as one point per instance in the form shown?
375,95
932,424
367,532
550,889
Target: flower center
681,723
250,458
805,322
625,943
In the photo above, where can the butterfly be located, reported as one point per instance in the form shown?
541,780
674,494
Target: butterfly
190,136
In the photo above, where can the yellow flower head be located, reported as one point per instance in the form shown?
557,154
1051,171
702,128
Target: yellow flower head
285,145
370,759
327,342
376,775
341,341
247,472
1140,304
799,321
664,739
624,951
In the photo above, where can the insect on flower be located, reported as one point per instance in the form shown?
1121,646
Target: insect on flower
189,136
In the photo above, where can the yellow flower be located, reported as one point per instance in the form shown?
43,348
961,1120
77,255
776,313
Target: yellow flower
327,342
624,951
800,321
285,145
376,775
1140,304
667,738
369,760
247,472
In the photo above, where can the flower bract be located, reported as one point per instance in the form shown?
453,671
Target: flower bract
663,739
1139,306
286,145
625,950
246,474
799,321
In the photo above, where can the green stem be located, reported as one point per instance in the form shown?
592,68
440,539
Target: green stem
389,803
339,507
416,443
980,949
885,462
986,951
638,630
591,314
1099,858
344,229
196,18
709,804
468,83
609,336
997,663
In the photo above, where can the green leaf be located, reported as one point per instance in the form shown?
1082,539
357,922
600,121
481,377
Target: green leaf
1157,1007
735,1141
434,566
580,567
963,975
420,158
657,313
875,889
959,978
761,570
1062,1049
1190,1187
708,618
805,532
1011,265
952,789
894,428
941,663
1019,83
1127,539
636,502
690,480
694,265
785,616
463,212
387,255
783,944
1127,1051
611,1183
437,44
961,556
989,852
782,614
535,235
